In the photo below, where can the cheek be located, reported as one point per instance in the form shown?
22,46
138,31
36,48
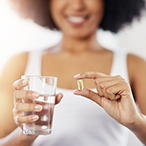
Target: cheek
57,7
97,9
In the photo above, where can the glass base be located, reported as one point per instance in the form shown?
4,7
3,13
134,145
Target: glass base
36,132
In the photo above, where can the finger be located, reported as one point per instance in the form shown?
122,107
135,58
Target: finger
25,94
16,121
26,119
103,84
19,107
98,88
102,101
116,78
58,98
89,94
102,88
90,75
116,90
19,84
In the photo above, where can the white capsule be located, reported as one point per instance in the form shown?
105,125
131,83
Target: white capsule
80,84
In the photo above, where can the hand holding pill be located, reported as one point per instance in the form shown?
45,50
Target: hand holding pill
112,94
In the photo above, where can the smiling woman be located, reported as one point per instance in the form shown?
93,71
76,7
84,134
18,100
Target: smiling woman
111,78
116,15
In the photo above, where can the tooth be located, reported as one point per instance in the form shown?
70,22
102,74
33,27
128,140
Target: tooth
76,19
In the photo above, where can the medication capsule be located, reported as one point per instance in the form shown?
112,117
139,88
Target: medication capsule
80,84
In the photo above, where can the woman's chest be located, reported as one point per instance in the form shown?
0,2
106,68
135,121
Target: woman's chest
66,67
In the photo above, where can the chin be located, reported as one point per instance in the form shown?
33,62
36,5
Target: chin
80,34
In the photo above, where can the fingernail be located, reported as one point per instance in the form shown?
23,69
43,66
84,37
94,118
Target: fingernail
35,117
24,82
76,76
59,96
35,95
38,107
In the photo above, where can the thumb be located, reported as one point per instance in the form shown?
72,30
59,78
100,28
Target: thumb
58,98
89,94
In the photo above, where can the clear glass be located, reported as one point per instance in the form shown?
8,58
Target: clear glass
46,87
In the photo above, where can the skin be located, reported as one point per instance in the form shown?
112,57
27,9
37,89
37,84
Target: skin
115,96
84,55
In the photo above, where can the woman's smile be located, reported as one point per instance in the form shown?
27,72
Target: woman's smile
77,21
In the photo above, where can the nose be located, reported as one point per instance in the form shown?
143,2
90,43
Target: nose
78,5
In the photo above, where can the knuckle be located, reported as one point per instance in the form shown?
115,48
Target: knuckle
118,76
97,81
17,106
27,94
127,84
113,96
15,93
83,74
94,72
16,85
13,111
29,118
87,93
101,85
17,120
13,85
123,80
109,91
30,107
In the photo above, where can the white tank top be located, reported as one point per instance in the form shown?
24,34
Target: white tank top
79,121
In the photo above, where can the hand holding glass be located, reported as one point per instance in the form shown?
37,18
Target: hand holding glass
46,87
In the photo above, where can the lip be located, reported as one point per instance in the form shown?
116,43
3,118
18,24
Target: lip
76,20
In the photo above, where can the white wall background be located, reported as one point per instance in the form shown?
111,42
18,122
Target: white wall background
17,35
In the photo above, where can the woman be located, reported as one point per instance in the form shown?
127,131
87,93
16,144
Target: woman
78,121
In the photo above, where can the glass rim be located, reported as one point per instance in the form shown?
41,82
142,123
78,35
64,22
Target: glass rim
39,76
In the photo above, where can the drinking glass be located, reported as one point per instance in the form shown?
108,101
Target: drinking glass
46,87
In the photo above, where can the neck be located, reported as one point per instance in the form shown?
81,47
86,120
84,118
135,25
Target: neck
79,45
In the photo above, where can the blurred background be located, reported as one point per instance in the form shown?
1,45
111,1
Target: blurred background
17,35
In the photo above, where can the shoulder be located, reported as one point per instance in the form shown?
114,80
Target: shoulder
135,58
20,57
18,60
14,67
135,62
136,66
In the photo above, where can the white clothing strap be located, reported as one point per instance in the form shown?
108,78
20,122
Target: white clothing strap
34,63
119,66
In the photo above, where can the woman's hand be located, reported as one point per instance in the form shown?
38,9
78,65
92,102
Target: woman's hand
20,107
113,94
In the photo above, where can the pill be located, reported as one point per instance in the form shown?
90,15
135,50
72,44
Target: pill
80,84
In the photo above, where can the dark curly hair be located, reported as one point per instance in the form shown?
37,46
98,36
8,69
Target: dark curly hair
118,13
